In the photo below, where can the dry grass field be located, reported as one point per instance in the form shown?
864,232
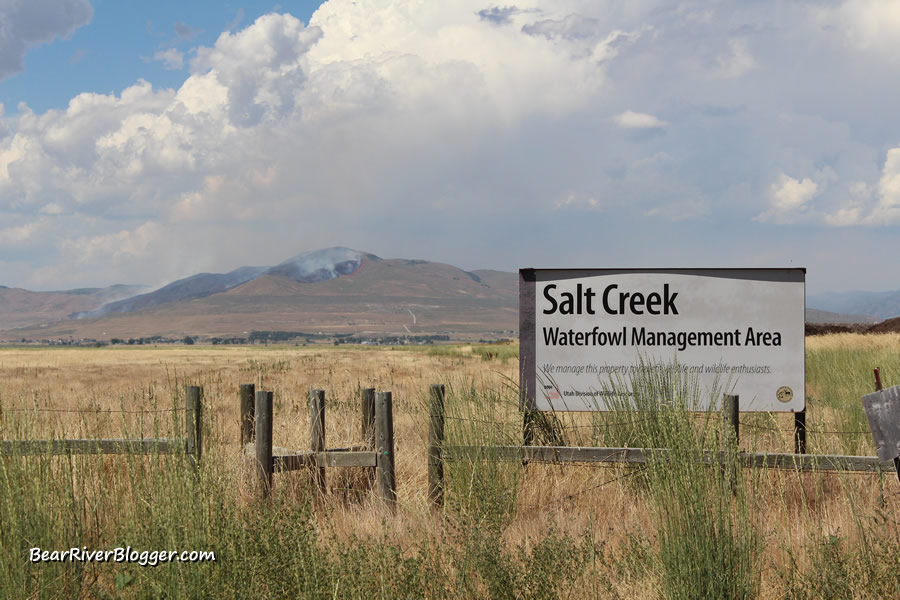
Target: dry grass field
544,531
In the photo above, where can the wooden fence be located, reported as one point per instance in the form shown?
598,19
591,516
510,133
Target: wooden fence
375,453
438,452
191,444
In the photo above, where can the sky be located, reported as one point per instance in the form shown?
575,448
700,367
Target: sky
144,142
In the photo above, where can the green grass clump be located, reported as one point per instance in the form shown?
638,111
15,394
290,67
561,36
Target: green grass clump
704,514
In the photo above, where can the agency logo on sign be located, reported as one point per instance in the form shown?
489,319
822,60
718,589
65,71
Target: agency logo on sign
784,394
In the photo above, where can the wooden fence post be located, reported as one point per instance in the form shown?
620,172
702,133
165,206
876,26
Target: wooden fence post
367,406
733,415
367,409
528,415
317,433
384,449
800,432
435,446
731,446
264,465
248,397
192,423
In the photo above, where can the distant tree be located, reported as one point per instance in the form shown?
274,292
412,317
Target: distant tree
188,340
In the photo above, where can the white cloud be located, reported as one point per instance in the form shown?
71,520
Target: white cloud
887,210
868,25
16,236
789,198
259,66
172,58
635,120
736,62
579,201
26,23
850,211
354,129
116,247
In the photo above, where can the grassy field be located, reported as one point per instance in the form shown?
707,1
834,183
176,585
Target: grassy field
670,530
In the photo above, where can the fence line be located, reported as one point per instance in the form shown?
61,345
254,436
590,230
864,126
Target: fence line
438,452
95,411
375,453
191,444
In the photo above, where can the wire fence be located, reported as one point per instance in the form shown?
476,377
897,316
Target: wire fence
145,411
607,424
808,429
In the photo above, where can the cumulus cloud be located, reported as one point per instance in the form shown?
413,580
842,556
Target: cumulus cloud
887,210
16,236
788,198
365,122
27,23
259,66
868,25
850,211
635,120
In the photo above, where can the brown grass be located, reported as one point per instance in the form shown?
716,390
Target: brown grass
570,499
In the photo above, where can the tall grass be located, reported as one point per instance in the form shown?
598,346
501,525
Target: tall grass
673,529
839,371
706,519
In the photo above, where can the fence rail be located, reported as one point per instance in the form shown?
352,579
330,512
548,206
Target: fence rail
438,452
101,446
191,444
376,453
638,456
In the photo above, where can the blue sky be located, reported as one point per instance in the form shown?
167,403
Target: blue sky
116,47
140,141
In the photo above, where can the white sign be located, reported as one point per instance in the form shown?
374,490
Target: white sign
582,329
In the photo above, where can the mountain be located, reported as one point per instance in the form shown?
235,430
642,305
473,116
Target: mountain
334,290
308,267
195,286
880,305
19,307
817,316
